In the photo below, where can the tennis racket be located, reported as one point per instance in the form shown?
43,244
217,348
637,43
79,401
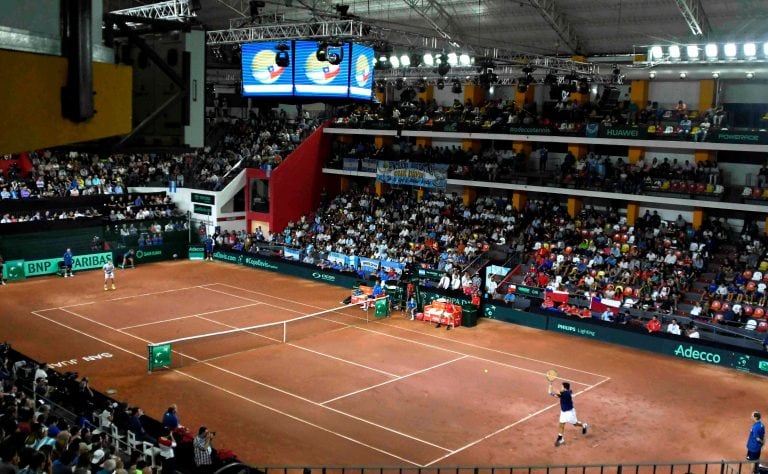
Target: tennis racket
551,375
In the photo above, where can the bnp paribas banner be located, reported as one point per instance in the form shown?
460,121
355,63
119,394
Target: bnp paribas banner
425,175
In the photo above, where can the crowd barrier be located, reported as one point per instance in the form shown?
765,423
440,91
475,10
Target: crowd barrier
722,355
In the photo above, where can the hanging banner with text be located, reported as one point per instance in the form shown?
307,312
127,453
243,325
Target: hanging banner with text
425,175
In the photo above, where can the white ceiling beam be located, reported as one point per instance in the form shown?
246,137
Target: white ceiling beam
431,9
558,22
694,16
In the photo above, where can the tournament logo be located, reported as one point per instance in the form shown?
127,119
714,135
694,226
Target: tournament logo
320,72
264,69
362,71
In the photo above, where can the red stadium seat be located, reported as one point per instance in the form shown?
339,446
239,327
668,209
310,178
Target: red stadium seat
759,313
762,326
715,305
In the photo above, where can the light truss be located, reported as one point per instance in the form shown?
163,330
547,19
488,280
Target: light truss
358,30
178,10
694,16
558,22
287,31
505,74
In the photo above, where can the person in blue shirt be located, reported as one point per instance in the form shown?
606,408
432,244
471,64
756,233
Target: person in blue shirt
68,261
756,439
567,412
208,248
128,257
171,418
411,307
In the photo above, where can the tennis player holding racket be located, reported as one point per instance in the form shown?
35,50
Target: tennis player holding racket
567,410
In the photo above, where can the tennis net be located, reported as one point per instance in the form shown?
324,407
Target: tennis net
208,347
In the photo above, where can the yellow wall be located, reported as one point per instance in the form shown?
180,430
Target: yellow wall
522,98
30,94
635,154
639,94
706,95
475,93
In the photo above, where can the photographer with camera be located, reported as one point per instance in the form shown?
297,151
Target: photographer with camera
204,452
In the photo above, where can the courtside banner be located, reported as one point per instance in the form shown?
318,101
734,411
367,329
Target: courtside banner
49,266
292,254
425,175
396,266
370,265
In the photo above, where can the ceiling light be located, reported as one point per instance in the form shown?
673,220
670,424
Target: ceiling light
453,59
692,51
683,75
652,74
464,59
429,60
730,50
382,58
711,50
750,75
750,50
657,52
394,61
715,75
674,51
405,60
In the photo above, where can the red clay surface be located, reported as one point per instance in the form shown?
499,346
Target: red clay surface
343,392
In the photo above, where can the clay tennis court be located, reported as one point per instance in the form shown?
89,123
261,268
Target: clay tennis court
391,392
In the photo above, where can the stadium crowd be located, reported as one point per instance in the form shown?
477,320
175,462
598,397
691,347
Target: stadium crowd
590,171
54,423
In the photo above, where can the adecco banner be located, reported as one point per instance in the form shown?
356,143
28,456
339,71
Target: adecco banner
49,266
682,348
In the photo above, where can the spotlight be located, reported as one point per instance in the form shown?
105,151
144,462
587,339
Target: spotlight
443,69
394,61
421,86
750,50
683,75
710,50
522,85
405,60
652,75
692,51
750,75
440,84
715,75
383,58
765,49
399,83
322,51
453,59
336,57
729,50
429,60
456,86
283,58
381,86
674,51
657,52
464,59
342,10
550,79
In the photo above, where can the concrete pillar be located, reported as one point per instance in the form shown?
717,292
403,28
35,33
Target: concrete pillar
345,182
427,95
706,95
380,141
381,188
574,206
578,150
471,145
633,212
698,217
420,194
381,96
522,98
423,142
475,93
703,156
470,194
520,199
635,154
639,93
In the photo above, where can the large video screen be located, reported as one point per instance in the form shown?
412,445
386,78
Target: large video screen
320,78
361,75
261,74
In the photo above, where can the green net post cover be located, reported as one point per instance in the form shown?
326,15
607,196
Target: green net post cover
14,270
381,308
159,356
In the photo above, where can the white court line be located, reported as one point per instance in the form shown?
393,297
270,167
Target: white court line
285,392
266,407
432,346
189,316
393,380
121,298
296,346
511,425
552,364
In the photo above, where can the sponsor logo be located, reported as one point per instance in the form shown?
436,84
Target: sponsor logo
695,354
259,263
320,72
739,137
763,365
323,277
91,261
489,310
362,71
622,132
227,257
148,253
264,69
